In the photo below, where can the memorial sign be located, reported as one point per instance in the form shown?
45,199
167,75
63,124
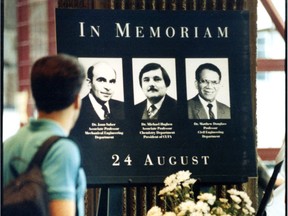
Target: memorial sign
192,67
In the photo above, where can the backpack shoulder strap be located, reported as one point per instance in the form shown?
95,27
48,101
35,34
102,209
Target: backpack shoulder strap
42,151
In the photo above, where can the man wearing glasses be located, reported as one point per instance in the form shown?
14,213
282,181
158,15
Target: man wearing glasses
204,105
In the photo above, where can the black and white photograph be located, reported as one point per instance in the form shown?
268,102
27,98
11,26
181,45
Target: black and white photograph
155,94
102,92
102,100
208,92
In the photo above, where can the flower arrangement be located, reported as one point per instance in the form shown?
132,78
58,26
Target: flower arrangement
180,199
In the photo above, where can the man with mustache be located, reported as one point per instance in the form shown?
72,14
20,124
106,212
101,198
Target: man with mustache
98,105
204,105
154,81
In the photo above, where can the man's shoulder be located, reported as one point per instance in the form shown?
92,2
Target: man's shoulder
86,99
194,100
86,105
117,109
29,142
116,102
63,151
65,146
222,106
223,111
170,99
169,104
66,155
139,108
116,105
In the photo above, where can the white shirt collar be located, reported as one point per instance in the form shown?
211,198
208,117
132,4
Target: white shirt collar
157,105
205,103
98,107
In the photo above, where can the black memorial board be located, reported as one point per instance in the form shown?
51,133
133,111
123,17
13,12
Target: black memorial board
130,149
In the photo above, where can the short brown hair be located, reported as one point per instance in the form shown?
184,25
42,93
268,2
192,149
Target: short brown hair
55,82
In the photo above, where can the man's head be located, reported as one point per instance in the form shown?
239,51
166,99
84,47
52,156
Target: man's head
154,81
208,78
102,78
56,82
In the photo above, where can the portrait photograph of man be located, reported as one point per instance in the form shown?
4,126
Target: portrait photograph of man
100,99
208,88
155,92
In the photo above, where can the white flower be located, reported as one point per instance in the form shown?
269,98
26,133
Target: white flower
237,206
189,182
155,211
183,176
170,179
202,207
218,211
233,191
188,205
169,214
223,200
251,209
235,198
179,198
187,196
196,214
168,189
208,197
245,211
245,197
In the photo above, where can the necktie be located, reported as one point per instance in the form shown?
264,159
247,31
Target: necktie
151,110
211,114
106,113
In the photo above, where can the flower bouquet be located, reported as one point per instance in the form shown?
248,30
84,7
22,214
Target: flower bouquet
180,200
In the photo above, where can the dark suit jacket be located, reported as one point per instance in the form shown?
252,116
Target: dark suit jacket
197,111
167,112
88,114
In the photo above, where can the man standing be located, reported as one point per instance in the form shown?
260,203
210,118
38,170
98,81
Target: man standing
204,105
98,105
55,82
154,81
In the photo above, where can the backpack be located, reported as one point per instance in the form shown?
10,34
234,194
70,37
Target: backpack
27,194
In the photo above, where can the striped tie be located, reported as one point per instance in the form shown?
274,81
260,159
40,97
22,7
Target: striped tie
151,109
211,114
106,113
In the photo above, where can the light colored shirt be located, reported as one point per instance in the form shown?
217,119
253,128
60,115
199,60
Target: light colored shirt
98,107
157,105
61,166
205,103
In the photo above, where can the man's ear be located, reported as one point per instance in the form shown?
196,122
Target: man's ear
196,84
77,102
88,82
